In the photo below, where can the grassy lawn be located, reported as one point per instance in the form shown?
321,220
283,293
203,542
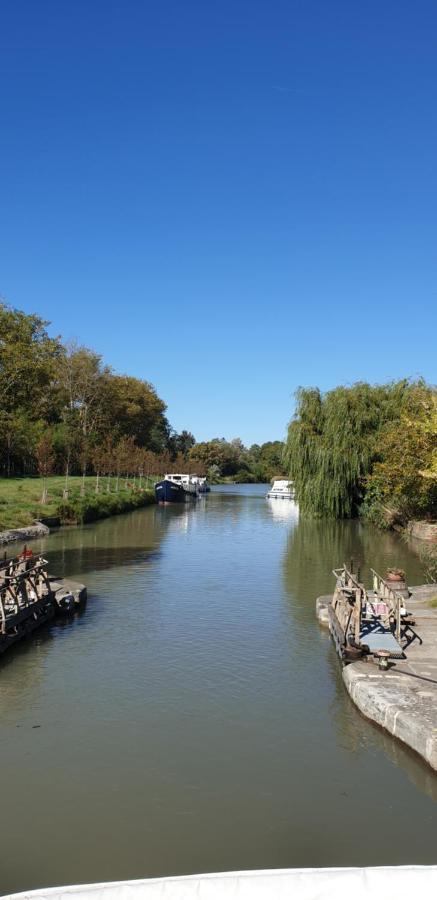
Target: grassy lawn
20,499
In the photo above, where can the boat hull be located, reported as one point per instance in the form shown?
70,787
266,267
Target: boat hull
168,492
280,495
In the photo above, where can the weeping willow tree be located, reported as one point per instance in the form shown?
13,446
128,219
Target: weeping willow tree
332,444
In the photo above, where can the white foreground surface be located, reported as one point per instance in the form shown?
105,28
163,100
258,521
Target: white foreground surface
390,883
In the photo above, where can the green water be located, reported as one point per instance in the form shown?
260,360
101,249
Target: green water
193,717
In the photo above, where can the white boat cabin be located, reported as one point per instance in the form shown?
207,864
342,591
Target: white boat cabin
186,481
281,489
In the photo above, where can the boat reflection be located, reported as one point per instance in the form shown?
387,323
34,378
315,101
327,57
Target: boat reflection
283,510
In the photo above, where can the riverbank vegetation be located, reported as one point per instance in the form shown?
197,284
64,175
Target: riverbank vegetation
20,500
367,450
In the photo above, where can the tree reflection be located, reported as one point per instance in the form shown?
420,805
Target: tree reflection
315,547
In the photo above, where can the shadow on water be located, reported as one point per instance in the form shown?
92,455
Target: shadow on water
97,559
29,645
129,539
35,645
125,541
357,733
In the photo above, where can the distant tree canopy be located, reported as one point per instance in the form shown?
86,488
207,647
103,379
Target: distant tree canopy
345,448
223,458
270,460
181,444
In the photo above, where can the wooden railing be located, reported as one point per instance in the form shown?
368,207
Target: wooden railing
348,602
388,595
354,606
23,581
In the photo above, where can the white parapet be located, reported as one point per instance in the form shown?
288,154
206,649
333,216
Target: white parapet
401,882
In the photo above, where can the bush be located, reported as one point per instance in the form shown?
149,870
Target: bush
67,513
101,506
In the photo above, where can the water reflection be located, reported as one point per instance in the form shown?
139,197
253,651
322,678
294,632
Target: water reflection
313,549
357,734
124,540
283,510
316,547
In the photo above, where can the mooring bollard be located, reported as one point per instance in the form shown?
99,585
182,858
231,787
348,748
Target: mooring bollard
383,657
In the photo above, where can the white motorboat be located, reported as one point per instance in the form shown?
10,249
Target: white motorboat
281,489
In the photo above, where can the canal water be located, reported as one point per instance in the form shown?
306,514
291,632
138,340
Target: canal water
192,718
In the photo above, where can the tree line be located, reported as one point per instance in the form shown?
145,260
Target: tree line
232,460
366,450
64,411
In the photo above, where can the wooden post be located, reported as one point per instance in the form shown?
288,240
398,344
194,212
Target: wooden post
397,615
3,614
357,615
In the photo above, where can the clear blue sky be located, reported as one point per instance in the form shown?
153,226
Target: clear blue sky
229,199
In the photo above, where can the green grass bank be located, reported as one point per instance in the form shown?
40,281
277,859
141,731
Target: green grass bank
20,500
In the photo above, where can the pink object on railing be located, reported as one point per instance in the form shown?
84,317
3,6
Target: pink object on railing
381,609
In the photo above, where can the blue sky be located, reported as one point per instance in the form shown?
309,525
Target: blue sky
229,199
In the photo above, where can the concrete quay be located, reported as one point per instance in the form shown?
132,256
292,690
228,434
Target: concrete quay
65,587
403,699
31,532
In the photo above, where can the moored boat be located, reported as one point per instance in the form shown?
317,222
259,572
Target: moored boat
281,489
202,484
176,488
